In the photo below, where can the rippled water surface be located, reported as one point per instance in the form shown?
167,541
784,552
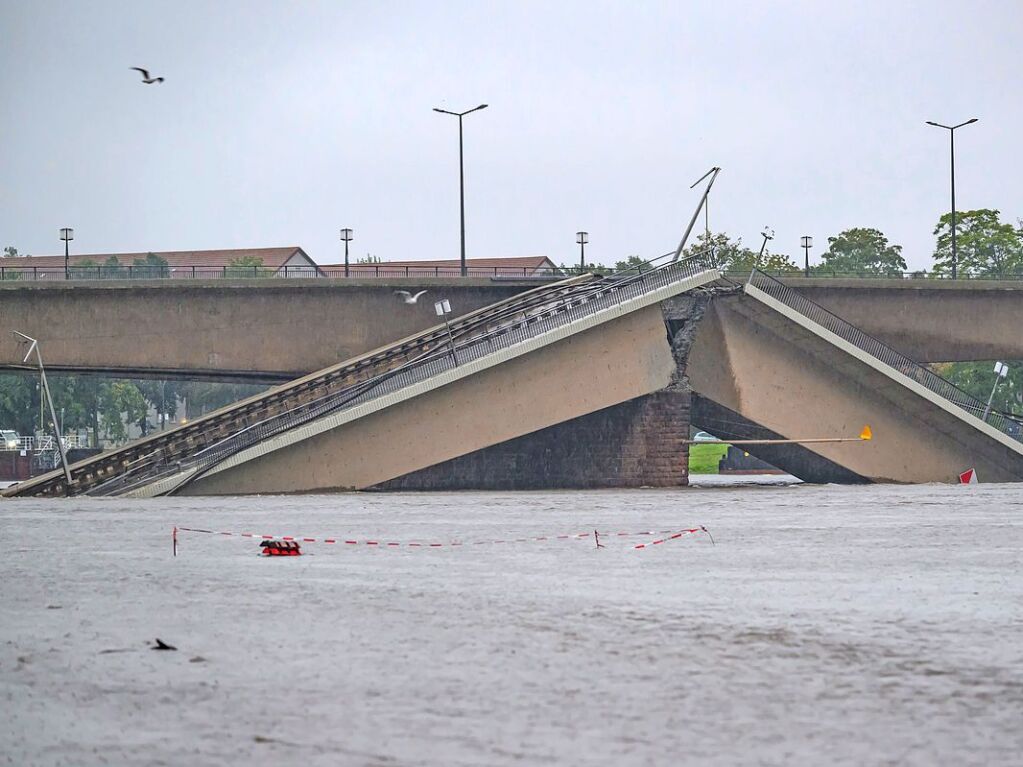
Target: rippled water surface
828,625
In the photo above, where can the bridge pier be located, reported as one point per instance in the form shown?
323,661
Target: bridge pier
638,443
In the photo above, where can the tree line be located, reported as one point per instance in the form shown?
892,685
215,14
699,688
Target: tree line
986,247
105,407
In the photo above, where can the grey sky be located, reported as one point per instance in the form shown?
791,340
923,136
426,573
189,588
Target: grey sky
281,122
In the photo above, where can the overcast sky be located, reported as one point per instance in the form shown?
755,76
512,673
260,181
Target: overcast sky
281,122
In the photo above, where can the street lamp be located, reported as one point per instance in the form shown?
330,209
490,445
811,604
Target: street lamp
952,147
806,243
67,234
461,169
34,347
767,234
443,309
582,238
1001,371
346,237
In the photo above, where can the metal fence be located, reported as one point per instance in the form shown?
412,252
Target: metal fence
44,443
875,348
589,300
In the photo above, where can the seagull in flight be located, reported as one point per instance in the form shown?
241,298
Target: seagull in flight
146,77
407,297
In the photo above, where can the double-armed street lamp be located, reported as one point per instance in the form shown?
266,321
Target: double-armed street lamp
952,148
461,170
67,234
767,234
806,243
346,237
582,238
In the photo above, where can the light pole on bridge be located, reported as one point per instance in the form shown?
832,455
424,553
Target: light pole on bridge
67,234
461,171
952,150
346,237
806,243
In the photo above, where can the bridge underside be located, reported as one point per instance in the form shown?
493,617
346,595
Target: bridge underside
759,374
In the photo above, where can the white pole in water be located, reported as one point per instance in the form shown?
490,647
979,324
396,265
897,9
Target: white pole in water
34,346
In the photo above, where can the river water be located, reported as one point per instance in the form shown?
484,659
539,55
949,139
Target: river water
824,625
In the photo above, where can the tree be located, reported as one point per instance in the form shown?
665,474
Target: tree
369,260
978,378
861,251
12,252
246,266
84,269
112,269
986,247
152,267
121,403
733,256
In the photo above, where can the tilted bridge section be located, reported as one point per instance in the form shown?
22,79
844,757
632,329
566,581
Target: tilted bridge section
561,325
770,363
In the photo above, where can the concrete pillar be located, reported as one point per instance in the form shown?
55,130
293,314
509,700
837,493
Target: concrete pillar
639,443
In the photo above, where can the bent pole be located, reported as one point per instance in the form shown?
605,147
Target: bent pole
865,436
34,347
713,173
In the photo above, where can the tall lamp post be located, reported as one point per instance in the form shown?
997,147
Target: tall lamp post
461,170
34,347
767,234
346,237
582,238
806,243
952,149
67,234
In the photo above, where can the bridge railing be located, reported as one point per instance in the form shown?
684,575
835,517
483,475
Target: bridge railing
44,443
589,300
22,271
875,348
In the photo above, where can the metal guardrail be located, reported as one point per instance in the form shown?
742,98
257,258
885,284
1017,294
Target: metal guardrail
45,443
566,310
878,350
354,271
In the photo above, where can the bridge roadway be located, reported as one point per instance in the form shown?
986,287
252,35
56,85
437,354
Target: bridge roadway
549,339
276,330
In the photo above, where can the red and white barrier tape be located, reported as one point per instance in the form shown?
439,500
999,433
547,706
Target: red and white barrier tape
670,535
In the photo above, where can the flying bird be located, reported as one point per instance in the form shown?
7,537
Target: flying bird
146,77
161,645
407,297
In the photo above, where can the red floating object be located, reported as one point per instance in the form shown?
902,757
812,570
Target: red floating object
281,549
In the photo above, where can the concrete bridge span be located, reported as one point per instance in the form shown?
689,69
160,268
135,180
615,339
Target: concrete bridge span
771,364
274,330
530,362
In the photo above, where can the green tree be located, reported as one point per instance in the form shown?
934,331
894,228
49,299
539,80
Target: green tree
121,402
19,402
152,267
205,396
732,256
369,260
85,269
8,272
978,378
986,246
247,266
113,270
862,252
